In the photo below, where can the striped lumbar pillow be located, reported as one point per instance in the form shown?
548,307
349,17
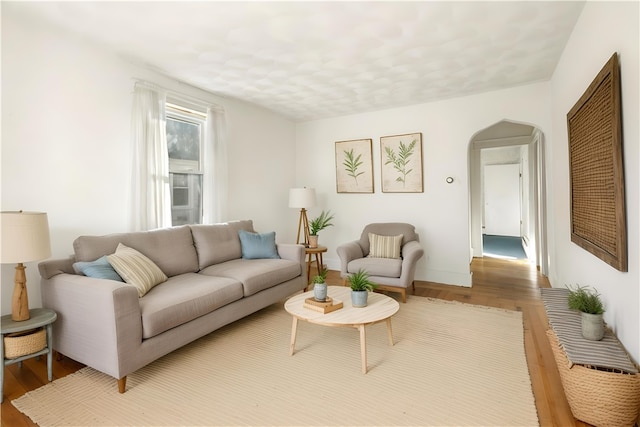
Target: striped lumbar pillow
384,246
136,269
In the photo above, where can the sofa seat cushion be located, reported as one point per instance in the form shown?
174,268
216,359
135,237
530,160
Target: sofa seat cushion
385,267
256,274
183,298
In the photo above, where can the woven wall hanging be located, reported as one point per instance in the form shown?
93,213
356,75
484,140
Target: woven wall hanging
594,124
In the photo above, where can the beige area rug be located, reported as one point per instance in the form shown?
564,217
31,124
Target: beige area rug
452,364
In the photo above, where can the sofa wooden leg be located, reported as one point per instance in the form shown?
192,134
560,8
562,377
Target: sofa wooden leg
403,292
122,384
413,286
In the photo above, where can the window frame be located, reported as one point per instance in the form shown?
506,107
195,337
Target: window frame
177,112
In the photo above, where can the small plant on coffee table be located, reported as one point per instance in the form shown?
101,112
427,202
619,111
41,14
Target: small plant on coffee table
320,277
359,281
319,285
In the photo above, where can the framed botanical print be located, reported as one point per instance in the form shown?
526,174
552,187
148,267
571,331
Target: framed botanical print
354,166
402,163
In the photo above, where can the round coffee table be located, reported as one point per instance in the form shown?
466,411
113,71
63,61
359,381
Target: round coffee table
379,308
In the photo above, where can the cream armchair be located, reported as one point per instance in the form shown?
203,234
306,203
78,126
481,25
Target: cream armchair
389,259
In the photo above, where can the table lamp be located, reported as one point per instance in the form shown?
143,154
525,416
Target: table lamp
25,238
303,199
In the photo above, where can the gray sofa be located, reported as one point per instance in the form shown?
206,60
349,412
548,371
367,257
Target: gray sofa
106,325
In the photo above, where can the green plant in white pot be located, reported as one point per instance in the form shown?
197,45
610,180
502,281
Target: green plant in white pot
317,224
587,301
360,288
320,285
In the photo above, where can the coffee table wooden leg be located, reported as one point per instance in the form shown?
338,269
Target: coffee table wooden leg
389,331
363,348
294,330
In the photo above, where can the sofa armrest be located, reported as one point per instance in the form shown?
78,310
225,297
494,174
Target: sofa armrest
51,267
411,253
293,252
99,321
347,253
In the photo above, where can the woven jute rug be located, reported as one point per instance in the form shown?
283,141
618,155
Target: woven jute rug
452,364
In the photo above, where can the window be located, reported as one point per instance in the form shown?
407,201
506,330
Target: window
185,138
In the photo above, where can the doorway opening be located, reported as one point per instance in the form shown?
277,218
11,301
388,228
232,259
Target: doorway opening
506,190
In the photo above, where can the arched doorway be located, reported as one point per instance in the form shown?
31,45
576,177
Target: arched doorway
508,143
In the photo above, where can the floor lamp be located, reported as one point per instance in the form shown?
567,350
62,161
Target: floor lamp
25,238
303,199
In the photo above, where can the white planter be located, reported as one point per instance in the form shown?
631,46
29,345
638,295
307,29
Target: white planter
320,291
592,326
359,298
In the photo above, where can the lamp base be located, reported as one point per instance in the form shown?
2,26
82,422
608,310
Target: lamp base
20,300
303,225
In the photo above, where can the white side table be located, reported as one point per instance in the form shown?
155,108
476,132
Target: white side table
39,317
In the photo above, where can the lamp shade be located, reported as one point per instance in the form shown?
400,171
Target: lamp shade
25,237
302,198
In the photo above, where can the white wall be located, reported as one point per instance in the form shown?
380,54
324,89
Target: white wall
441,212
66,109
603,28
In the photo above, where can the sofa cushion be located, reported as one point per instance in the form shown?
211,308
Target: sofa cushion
384,246
183,298
256,274
258,245
136,269
171,249
218,243
98,269
385,267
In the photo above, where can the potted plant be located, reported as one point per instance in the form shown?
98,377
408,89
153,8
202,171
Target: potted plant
320,285
587,301
360,288
320,223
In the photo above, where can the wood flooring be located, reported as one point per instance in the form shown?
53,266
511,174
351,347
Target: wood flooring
513,285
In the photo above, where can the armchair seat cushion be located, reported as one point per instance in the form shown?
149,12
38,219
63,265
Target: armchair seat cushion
385,267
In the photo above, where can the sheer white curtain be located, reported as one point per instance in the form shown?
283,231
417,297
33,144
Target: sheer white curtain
151,204
215,167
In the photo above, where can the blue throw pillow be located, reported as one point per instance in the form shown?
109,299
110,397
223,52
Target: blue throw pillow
98,269
256,245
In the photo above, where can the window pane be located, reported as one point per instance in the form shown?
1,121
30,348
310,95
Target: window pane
186,198
183,139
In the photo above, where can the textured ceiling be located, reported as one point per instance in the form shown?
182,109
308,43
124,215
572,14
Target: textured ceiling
312,60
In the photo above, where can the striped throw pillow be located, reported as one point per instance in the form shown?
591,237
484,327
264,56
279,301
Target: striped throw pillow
136,269
384,246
